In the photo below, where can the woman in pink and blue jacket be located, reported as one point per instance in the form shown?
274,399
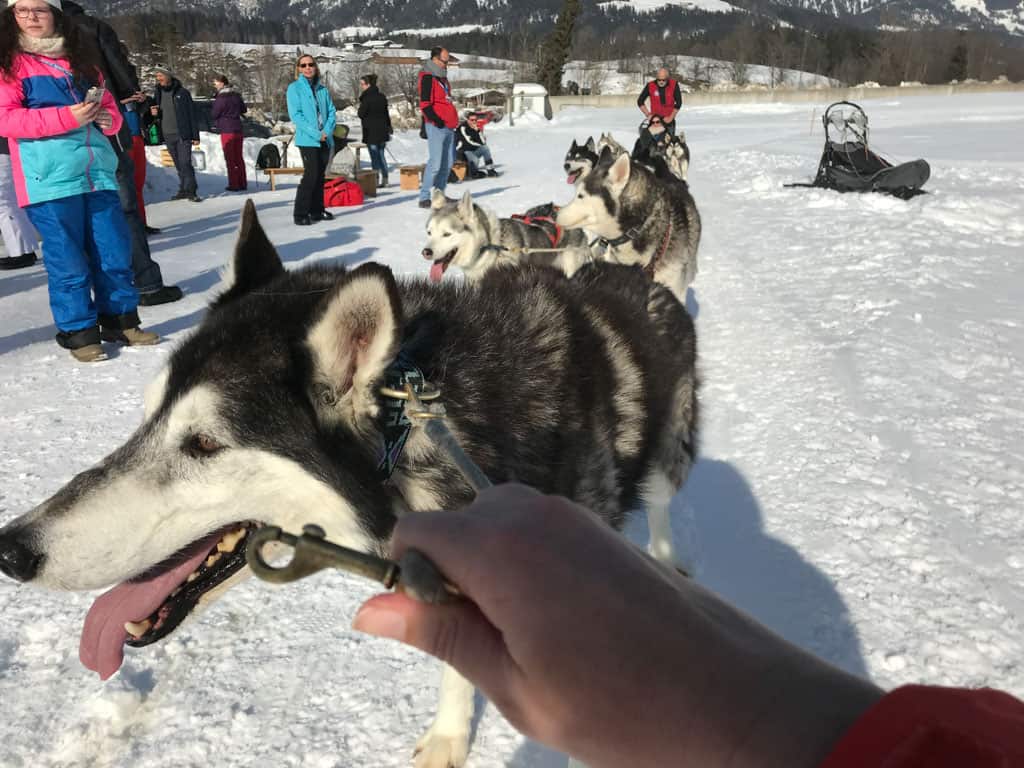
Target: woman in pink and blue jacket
64,175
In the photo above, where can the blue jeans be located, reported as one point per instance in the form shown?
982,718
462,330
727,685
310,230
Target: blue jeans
377,161
441,149
482,152
87,253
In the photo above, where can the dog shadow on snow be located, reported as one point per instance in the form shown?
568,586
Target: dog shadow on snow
717,516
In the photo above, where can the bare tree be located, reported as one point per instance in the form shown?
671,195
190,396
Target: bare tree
271,75
593,77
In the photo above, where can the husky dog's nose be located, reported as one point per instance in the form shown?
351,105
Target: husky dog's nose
428,254
17,560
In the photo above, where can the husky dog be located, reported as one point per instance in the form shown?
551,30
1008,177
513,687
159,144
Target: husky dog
462,233
271,413
608,141
640,218
579,160
675,153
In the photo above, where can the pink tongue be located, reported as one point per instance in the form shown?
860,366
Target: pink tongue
437,271
102,646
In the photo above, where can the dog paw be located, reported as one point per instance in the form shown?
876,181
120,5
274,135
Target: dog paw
442,750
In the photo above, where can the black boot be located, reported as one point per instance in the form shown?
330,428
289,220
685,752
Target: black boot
18,262
304,220
165,294
491,170
383,179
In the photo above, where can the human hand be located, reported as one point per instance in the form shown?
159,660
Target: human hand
588,645
154,111
195,143
104,119
86,111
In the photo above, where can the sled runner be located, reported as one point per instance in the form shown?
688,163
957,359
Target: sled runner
848,165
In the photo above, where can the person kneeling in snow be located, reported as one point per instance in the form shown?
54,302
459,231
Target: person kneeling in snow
473,145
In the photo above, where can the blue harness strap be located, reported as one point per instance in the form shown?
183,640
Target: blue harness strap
395,424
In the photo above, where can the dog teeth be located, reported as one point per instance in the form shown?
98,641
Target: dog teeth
212,559
230,541
137,630
192,576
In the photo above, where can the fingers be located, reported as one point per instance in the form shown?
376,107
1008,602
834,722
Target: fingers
456,633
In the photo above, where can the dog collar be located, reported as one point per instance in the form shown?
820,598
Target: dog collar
395,425
603,243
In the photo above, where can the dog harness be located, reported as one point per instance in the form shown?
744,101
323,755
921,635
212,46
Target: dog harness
601,244
394,422
546,223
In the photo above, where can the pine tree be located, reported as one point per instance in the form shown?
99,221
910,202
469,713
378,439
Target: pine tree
554,52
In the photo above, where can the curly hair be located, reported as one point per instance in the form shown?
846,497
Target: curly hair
79,48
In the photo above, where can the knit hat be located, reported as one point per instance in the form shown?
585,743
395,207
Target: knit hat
160,70
54,3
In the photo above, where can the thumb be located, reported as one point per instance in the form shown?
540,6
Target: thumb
456,633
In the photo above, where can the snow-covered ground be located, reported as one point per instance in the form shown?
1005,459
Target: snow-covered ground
861,485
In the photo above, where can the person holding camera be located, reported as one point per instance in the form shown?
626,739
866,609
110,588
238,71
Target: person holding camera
65,175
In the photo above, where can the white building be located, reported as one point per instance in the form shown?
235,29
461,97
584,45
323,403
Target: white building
530,97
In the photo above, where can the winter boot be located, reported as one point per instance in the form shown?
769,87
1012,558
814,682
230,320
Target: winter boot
84,345
18,262
383,179
491,170
124,329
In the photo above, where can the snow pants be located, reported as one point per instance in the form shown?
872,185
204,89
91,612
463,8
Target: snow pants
88,259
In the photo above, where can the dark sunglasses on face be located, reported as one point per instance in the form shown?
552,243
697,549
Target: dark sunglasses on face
306,64
661,80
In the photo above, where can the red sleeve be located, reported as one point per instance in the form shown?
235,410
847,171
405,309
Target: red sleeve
927,727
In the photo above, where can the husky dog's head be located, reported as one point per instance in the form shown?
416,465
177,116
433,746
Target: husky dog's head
607,141
579,160
677,156
597,198
456,231
264,415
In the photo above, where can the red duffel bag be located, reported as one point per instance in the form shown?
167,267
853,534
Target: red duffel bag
340,191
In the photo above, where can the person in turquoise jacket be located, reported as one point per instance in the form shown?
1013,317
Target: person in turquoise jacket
65,175
312,110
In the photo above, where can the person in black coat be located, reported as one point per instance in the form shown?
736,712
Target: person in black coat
376,120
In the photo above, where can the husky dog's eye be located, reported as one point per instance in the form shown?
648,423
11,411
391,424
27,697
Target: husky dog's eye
202,445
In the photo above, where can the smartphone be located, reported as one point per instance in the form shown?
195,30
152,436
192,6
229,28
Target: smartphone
94,94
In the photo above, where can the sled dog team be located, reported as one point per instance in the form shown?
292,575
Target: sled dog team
573,371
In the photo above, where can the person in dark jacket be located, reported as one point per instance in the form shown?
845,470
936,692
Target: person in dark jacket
650,137
663,97
228,108
376,120
471,142
122,79
173,108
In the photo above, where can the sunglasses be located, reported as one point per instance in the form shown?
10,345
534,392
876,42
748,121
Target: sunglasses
307,64
661,80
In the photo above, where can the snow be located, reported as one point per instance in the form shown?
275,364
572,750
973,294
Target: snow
861,476
458,29
647,6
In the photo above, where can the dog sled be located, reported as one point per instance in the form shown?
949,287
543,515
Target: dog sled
848,165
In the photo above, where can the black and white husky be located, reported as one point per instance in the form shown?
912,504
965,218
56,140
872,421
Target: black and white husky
579,160
471,237
640,217
675,153
271,413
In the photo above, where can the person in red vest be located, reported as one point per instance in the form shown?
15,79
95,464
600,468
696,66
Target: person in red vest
662,97
440,119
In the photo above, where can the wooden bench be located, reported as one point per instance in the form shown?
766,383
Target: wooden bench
273,173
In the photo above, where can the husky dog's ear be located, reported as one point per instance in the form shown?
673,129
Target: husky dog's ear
255,261
466,206
590,143
437,199
354,341
606,157
618,174
574,146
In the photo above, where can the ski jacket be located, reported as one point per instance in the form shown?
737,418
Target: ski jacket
664,99
373,112
921,726
121,75
227,110
469,137
52,156
436,101
312,110
187,127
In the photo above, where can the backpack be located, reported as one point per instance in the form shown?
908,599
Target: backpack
268,157
341,192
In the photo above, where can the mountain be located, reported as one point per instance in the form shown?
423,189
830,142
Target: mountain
505,16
